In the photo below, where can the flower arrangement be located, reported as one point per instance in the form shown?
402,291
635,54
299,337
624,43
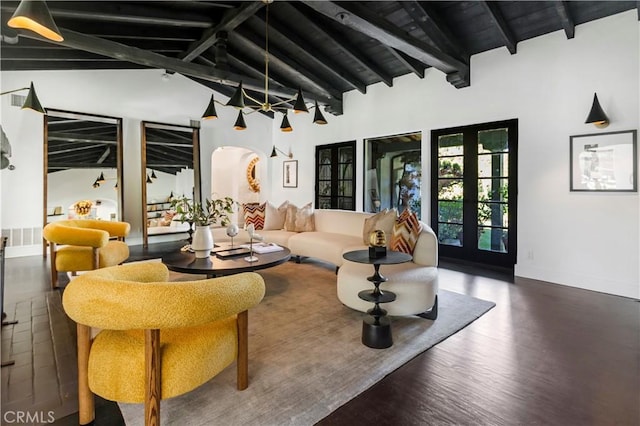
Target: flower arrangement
203,214
82,208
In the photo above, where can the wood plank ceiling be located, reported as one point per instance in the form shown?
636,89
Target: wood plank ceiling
326,48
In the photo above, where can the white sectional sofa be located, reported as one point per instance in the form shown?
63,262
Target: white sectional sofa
338,231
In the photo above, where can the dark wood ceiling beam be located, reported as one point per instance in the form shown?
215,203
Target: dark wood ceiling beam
281,60
122,12
363,20
493,10
79,138
134,55
431,23
342,42
408,62
102,64
68,150
59,54
562,9
232,18
299,47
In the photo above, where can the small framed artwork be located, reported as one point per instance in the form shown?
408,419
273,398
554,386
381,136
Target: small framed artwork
604,162
290,174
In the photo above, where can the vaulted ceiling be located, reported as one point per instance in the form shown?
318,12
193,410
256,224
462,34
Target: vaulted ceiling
326,48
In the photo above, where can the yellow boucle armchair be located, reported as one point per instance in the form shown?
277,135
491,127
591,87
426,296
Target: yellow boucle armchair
158,339
87,244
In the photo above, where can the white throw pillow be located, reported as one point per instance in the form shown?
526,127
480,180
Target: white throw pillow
299,219
275,216
384,220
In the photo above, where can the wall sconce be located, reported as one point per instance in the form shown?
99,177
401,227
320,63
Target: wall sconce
597,115
34,15
32,101
275,154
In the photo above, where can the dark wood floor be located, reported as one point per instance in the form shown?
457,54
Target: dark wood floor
545,355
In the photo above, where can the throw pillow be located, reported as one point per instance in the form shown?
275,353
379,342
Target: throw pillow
405,232
299,219
254,214
383,220
275,216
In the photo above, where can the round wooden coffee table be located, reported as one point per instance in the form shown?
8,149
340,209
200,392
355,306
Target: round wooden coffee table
213,266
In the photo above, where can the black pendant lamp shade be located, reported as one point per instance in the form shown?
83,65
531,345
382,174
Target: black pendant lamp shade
300,105
318,118
153,174
237,99
96,184
597,115
101,178
149,179
285,126
32,101
210,113
240,124
273,152
34,15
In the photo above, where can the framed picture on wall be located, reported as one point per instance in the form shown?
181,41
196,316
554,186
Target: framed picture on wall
290,174
604,162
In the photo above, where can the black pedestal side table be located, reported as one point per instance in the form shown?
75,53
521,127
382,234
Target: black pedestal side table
376,329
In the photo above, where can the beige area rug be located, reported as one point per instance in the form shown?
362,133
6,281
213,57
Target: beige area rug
305,354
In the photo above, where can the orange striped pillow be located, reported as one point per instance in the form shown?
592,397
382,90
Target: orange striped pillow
254,213
405,232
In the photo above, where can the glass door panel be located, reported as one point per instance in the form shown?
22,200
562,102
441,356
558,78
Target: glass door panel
450,189
334,176
474,191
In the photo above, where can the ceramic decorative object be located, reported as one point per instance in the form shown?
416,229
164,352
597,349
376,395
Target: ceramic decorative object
232,231
202,243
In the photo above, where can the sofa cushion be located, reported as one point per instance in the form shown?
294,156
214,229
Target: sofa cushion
299,219
383,220
254,214
275,216
405,232
338,221
325,246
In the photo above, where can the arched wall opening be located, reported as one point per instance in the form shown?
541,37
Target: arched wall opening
239,173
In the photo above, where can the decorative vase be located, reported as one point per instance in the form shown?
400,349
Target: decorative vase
202,243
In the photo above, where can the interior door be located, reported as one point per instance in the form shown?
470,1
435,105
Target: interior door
474,187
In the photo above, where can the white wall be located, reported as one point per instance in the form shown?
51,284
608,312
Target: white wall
587,240
133,95
584,240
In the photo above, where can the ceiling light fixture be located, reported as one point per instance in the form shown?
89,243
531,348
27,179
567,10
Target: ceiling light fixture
241,99
32,102
597,115
153,174
34,15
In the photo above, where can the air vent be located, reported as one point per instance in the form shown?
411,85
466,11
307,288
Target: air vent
22,236
18,100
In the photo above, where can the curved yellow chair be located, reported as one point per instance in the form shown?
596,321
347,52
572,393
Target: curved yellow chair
158,339
86,244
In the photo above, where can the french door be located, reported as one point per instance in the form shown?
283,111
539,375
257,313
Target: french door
474,192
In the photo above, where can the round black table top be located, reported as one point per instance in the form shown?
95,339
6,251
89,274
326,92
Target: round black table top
392,257
186,262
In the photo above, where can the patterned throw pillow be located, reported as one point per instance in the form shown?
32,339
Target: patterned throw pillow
299,219
383,220
405,232
275,216
254,214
